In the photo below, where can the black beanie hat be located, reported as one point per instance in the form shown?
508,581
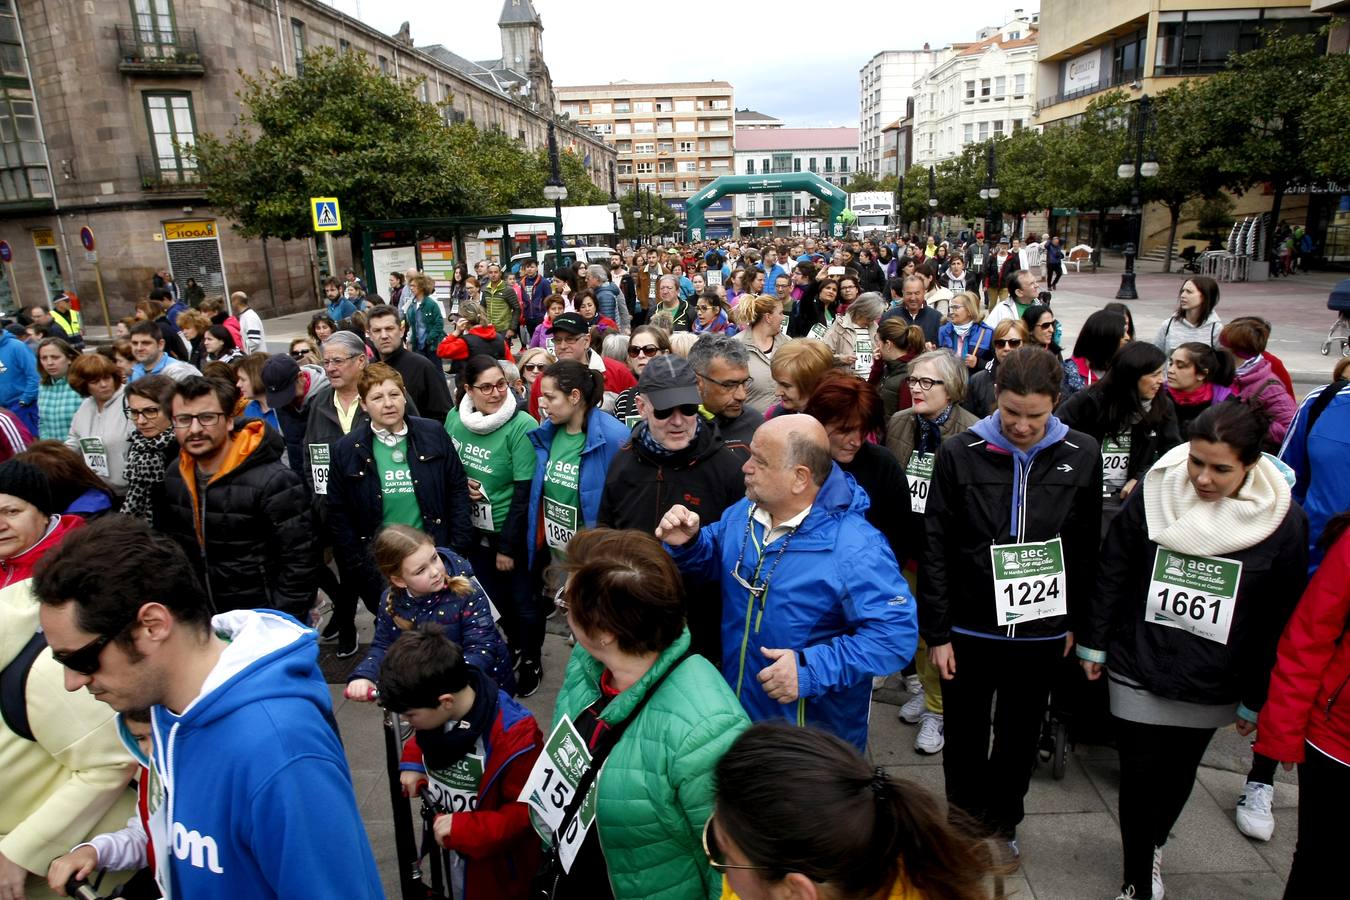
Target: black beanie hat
27,482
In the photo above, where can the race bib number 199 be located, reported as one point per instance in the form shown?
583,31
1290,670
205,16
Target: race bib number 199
1029,581
1193,593
318,467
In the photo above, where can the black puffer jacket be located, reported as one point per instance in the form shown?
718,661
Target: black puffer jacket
970,508
356,505
1176,664
323,428
257,548
705,477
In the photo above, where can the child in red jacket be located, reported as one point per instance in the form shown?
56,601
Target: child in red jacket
473,751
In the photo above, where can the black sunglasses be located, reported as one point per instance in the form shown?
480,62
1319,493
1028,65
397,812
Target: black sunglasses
686,409
86,659
649,351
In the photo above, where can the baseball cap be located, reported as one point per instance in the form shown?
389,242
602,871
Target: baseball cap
568,323
279,376
669,381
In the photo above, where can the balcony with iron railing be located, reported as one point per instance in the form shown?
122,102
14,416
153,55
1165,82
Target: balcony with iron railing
159,51
168,179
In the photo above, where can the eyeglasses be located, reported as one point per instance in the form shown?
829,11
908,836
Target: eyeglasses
703,307
145,412
714,852
334,361
536,367
685,409
648,351
559,600
206,420
86,660
926,383
299,354
490,388
1008,342
1048,324
729,385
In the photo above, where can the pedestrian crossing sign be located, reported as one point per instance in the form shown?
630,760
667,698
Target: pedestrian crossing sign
325,212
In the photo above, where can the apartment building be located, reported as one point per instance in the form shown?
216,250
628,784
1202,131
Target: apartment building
981,90
98,144
884,84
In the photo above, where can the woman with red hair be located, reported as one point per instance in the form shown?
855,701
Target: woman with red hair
850,410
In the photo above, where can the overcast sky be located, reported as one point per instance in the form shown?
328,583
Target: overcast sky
794,59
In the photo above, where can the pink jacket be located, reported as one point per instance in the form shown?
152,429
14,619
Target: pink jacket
1262,388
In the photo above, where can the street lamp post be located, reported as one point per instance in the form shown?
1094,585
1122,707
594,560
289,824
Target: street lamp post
932,197
989,193
651,219
899,200
1137,167
555,190
613,206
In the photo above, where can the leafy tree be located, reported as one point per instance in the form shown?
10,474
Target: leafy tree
338,129
658,219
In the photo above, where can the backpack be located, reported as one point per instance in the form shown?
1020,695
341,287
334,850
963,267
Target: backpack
14,687
1323,400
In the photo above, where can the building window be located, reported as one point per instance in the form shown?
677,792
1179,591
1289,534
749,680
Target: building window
749,167
811,164
298,45
829,164
644,128
688,165
624,168
666,186
984,131
843,181
172,131
644,148
665,105
796,163
645,168
1127,63
1001,86
642,106
1193,43
665,166
969,134
154,25
998,128
782,162
623,128
23,159
600,109
685,147
750,207
622,106
721,104
765,166
1019,85
843,164
984,87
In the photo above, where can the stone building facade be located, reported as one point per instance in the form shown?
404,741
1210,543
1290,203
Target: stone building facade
97,94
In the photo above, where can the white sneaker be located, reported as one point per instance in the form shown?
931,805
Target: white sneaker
1158,891
913,709
878,682
1126,893
930,738
913,684
1254,816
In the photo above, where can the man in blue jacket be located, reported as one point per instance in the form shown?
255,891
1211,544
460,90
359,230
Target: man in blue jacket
813,603
250,795
18,380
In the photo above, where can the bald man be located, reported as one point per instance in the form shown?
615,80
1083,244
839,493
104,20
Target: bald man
813,603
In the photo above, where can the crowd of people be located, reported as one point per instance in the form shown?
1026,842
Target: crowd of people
754,481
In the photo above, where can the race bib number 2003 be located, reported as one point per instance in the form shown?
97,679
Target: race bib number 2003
1029,581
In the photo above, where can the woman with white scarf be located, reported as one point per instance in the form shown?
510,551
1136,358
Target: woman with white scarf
490,433
1198,575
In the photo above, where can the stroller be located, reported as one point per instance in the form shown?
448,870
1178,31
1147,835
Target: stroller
1339,300
1190,259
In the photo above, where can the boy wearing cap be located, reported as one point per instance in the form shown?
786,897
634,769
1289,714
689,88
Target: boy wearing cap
572,340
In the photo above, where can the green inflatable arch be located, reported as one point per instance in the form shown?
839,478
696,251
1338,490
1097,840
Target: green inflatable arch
763,184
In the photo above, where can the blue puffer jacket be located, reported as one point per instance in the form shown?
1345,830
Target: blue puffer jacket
836,595
604,436
18,379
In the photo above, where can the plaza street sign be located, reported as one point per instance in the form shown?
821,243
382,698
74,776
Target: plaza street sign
325,213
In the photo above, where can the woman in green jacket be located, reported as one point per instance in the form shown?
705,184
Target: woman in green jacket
623,603
426,322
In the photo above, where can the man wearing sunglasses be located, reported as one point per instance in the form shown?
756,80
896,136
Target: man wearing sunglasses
240,514
249,790
675,456
813,603
572,340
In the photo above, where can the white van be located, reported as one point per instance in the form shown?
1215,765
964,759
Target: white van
570,255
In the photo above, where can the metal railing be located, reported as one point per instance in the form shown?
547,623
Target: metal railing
158,46
1065,97
166,178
